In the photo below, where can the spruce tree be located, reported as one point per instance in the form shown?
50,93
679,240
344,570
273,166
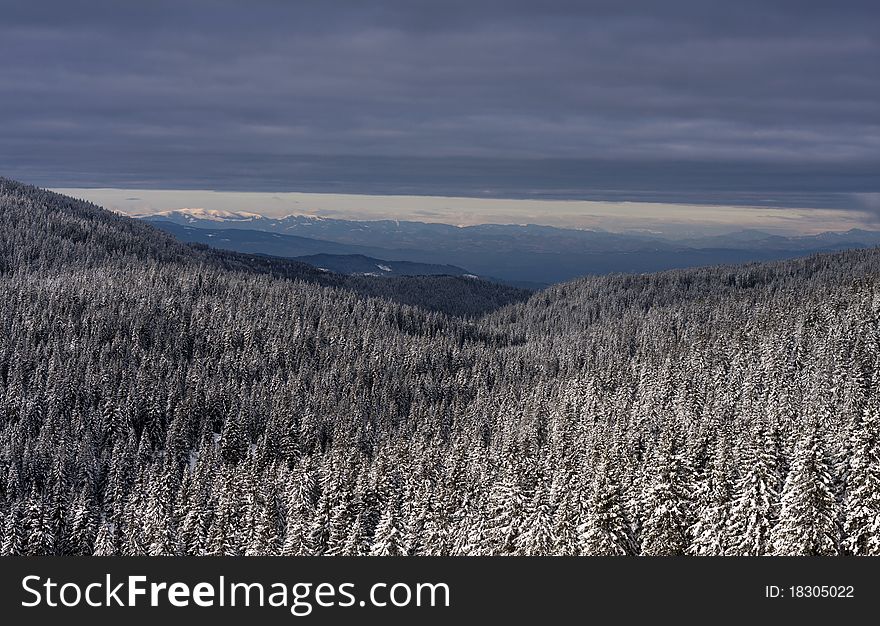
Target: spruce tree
538,537
862,502
388,540
104,542
606,531
13,535
808,523
505,511
755,506
667,507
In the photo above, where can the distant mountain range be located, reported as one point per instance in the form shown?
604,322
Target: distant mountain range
326,255
527,255
758,240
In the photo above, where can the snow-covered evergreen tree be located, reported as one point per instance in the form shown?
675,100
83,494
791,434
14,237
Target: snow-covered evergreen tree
808,522
13,533
755,507
710,531
538,536
505,512
104,543
666,505
389,535
862,503
606,530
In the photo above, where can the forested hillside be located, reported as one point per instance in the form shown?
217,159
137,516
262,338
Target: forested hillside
157,398
45,231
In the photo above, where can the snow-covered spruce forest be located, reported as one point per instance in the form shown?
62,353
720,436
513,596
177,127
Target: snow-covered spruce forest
158,398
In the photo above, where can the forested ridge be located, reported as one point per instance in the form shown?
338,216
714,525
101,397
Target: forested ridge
158,398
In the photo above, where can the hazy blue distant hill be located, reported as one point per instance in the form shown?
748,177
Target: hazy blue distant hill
371,266
401,234
758,240
256,241
519,254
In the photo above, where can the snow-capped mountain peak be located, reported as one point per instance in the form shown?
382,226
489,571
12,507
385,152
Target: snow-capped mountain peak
212,215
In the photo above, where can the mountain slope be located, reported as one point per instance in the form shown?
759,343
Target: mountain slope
513,253
371,266
43,231
164,399
336,257
409,235
260,242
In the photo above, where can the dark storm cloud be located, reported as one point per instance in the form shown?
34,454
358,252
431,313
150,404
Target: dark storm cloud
198,92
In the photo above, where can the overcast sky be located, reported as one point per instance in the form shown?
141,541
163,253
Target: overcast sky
755,102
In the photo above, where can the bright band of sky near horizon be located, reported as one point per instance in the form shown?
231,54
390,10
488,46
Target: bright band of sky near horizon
613,216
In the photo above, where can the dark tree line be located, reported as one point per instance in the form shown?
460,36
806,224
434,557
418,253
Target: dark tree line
157,398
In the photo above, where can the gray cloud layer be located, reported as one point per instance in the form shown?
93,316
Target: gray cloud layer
234,93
